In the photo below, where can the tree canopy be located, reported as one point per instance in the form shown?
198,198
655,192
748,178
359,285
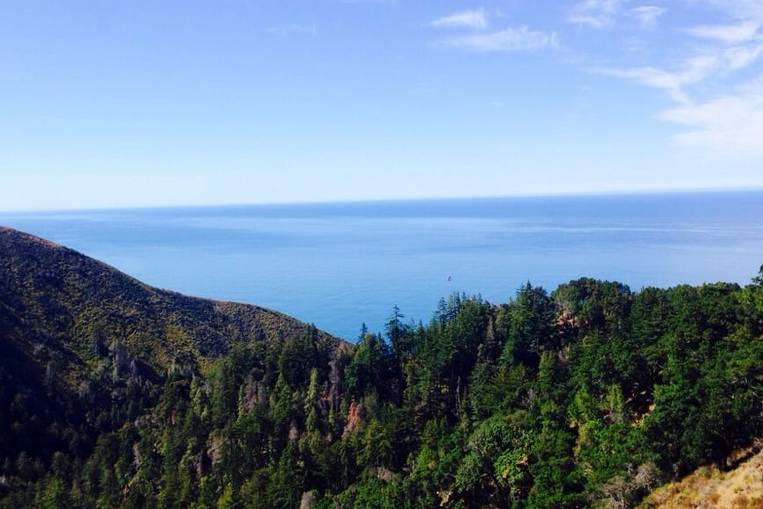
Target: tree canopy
588,396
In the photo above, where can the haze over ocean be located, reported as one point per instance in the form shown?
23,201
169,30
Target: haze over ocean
340,264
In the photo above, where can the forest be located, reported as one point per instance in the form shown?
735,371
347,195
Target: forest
588,396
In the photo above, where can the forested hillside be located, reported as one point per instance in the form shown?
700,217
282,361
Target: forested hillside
591,395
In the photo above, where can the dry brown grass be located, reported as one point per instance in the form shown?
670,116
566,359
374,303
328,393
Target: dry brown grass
708,488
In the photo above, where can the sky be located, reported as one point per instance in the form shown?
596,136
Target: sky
118,104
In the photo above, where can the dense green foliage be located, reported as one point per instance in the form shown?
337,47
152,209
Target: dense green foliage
585,397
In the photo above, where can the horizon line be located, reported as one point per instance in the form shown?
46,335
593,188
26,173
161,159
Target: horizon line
288,203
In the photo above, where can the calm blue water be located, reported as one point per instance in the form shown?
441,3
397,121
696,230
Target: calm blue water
338,265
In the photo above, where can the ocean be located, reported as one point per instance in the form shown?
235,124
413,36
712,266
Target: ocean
341,264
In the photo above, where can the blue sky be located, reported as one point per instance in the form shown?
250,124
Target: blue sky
110,104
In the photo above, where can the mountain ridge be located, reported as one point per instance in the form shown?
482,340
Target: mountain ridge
97,295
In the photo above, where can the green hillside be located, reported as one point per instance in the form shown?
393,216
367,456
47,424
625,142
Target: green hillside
116,394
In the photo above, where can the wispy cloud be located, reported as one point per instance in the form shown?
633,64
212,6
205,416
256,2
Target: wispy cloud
729,34
379,2
647,15
718,61
692,71
292,28
471,19
740,9
596,14
507,40
729,124
740,57
633,44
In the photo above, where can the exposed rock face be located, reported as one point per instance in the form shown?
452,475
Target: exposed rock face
308,499
254,393
384,474
293,431
335,384
353,417
215,448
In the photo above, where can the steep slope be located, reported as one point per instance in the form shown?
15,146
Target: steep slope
79,340
709,488
60,294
